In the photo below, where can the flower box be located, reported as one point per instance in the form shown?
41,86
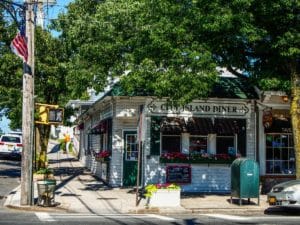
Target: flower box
102,156
196,158
163,195
164,198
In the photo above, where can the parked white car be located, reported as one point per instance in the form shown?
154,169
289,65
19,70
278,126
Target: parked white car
286,194
11,145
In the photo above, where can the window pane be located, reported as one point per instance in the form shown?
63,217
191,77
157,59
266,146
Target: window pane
291,141
276,141
171,144
224,143
286,169
270,153
277,153
285,154
269,139
284,141
269,167
291,154
277,166
198,144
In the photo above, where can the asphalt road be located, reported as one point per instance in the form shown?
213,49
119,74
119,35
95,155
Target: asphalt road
10,173
33,218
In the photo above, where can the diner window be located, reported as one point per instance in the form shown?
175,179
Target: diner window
103,141
225,144
198,144
280,154
170,143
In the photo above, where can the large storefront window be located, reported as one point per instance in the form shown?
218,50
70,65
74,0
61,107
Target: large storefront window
280,154
225,144
171,143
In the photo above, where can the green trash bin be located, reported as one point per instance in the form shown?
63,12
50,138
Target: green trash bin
46,192
244,179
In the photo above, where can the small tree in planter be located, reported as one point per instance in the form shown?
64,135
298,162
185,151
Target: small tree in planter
163,195
44,174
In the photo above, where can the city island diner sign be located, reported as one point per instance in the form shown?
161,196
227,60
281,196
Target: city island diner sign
200,108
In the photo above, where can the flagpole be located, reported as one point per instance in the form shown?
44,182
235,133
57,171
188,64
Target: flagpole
28,110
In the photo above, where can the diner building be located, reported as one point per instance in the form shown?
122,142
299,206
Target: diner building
192,145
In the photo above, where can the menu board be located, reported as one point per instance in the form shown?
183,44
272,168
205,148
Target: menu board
178,174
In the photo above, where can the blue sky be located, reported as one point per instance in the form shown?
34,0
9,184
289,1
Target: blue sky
51,13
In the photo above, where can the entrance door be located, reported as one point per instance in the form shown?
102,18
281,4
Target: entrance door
130,158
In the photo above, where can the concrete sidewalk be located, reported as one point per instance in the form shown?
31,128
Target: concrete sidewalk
77,190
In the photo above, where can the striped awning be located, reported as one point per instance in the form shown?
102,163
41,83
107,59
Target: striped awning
200,126
172,125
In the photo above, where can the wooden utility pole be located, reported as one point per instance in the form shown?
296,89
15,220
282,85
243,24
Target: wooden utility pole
28,110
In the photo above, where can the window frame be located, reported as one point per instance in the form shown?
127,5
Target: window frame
280,161
235,142
170,135
198,136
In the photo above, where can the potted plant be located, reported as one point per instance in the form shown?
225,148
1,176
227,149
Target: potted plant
163,195
44,174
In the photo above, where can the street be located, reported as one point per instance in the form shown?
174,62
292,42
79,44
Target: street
10,172
18,218
10,179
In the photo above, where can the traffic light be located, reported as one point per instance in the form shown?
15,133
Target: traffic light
55,115
49,114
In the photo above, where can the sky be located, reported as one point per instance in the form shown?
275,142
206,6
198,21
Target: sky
51,12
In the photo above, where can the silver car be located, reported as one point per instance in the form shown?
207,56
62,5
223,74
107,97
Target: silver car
286,194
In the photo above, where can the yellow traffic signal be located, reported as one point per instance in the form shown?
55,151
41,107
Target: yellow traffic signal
49,114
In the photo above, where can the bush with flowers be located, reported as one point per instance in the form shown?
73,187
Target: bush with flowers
151,188
103,155
178,157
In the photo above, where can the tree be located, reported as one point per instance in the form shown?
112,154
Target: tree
260,37
50,83
151,41
171,48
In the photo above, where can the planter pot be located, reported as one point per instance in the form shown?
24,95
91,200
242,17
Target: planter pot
37,177
164,198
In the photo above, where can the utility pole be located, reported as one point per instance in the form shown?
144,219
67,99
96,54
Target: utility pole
28,110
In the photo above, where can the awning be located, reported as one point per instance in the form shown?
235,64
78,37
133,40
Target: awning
227,126
172,125
280,125
200,126
100,128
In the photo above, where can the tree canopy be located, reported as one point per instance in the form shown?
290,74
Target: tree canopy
171,48
50,84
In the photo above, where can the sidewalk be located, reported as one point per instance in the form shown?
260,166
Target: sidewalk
78,191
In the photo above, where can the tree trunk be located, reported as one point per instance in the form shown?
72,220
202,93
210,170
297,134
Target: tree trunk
295,117
44,132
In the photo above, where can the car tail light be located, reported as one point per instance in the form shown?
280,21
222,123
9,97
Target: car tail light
1,143
19,145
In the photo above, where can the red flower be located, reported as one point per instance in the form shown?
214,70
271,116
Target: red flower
102,154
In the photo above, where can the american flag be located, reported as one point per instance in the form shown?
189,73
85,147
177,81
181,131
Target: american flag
19,46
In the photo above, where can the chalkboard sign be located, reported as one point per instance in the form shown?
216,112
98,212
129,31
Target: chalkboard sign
178,174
